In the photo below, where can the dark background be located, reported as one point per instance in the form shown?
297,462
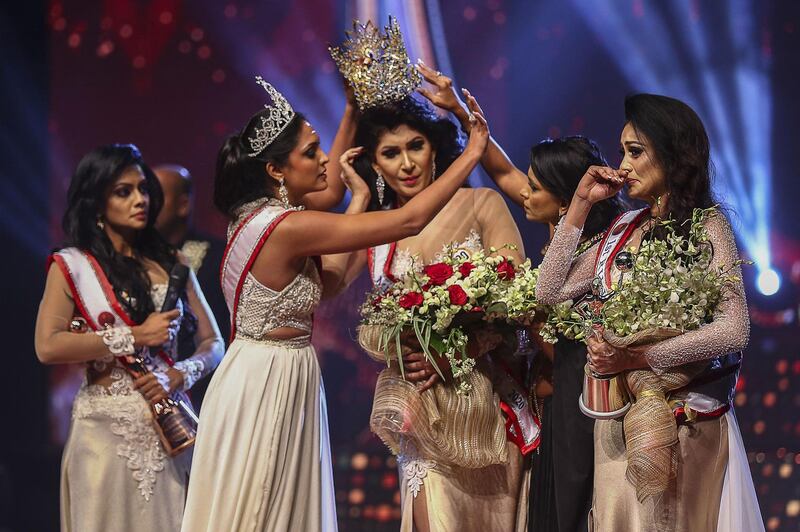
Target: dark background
175,77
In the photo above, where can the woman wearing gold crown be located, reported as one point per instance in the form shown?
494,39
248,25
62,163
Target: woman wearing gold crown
458,469
262,457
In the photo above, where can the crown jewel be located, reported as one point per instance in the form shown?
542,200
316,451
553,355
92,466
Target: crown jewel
279,116
376,65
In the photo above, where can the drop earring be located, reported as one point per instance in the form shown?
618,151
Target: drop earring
284,194
380,187
100,224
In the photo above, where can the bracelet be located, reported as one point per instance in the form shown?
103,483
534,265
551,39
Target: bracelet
119,340
192,371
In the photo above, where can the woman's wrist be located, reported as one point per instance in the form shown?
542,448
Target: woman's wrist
190,372
578,211
462,115
472,153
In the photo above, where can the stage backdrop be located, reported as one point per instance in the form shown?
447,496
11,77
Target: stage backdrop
176,77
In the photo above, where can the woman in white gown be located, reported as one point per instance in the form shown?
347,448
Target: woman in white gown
262,458
111,277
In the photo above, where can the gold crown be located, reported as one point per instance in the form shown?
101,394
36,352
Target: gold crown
376,65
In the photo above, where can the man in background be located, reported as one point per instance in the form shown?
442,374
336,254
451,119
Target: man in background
203,253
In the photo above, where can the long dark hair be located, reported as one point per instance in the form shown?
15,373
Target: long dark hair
241,178
441,133
679,145
559,164
86,199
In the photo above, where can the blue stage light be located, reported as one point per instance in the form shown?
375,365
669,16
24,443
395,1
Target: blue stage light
768,282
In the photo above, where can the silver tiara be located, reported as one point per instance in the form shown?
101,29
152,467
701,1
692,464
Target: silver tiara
279,116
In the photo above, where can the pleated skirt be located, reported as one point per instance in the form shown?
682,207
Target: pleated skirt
262,457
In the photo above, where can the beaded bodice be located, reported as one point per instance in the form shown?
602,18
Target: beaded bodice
262,309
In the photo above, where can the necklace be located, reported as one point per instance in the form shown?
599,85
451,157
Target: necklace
585,245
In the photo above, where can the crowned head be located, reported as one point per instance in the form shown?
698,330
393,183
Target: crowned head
272,123
376,64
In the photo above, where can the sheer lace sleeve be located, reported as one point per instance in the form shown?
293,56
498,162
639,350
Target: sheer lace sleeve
561,278
730,330
497,225
210,346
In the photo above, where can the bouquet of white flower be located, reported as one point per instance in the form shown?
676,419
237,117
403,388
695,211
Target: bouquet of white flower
672,288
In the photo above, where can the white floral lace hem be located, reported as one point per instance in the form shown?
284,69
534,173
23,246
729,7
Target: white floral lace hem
131,419
414,469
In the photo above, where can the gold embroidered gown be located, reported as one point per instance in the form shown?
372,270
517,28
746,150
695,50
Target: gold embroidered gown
713,490
458,472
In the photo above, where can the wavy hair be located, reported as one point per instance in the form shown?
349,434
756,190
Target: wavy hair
680,147
87,196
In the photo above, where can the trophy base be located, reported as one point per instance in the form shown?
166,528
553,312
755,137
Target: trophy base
603,396
601,415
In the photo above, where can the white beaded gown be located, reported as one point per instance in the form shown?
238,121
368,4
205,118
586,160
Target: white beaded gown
262,456
115,474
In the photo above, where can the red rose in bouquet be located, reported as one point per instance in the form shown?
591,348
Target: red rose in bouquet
457,295
438,273
465,268
411,299
505,270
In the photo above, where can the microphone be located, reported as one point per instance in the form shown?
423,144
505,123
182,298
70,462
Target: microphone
177,284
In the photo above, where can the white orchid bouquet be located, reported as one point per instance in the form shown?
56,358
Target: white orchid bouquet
672,288
441,305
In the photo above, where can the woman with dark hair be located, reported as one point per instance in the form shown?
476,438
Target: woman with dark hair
561,484
666,164
457,469
262,459
111,276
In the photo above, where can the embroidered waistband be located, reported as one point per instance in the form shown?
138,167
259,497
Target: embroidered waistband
289,343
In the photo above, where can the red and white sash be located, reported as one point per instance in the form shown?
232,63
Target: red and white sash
523,427
242,249
379,262
615,239
94,296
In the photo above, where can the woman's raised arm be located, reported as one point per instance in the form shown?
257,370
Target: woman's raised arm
311,233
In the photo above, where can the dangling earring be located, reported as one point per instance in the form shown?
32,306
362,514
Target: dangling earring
380,187
99,223
433,170
284,194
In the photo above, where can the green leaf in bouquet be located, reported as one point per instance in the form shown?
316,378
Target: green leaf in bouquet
437,342
399,347
422,330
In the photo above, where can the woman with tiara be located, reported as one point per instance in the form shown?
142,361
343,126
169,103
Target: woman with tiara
262,457
458,469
